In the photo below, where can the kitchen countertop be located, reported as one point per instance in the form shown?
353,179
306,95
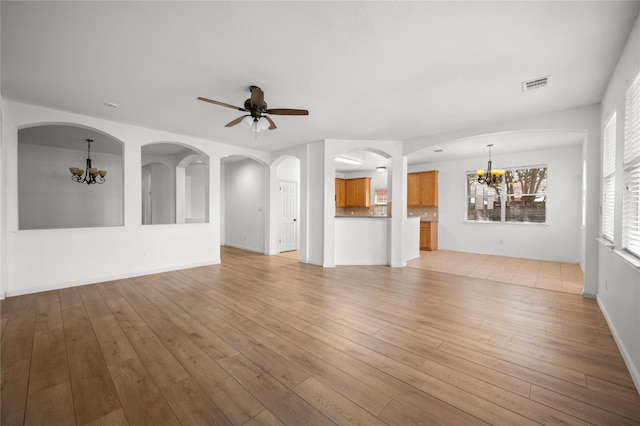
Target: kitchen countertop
368,216
424,218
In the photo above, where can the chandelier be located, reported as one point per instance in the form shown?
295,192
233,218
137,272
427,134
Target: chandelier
490,176
91,174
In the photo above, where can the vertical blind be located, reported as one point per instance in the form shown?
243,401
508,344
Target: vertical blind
609,178
631,170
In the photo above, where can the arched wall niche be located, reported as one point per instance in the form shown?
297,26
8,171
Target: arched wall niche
379,241
375,165
47,196
175,184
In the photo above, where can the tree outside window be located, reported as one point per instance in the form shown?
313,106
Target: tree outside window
519,196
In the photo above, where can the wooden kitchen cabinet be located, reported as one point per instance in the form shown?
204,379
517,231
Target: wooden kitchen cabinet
341,195
429,236
429,188
413,189
422,189
358,192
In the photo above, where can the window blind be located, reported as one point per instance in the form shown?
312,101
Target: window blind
609,177
631,170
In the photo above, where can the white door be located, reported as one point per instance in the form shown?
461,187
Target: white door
288,238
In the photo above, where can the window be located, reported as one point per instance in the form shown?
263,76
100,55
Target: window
483,201
520,196
609,177
631,170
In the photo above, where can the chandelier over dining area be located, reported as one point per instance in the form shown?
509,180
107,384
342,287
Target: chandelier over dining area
89,175
490,176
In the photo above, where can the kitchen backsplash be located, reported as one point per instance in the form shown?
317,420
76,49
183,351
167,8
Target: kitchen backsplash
381,210
374,210
430,212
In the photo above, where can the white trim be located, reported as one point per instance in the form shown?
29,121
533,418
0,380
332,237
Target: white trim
635,375
30,290
506,223
608,244
238,246
629,258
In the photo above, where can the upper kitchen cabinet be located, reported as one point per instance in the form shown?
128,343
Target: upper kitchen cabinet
422,189
358,192
413,189
341,192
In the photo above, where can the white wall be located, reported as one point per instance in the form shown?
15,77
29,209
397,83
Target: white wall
162,193
315,178
195,195
116,252
48,198
362,240
619,279
3,206
412,238
557,240
223,208
245,190
289,170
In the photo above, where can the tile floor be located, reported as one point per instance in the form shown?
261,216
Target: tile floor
557,276
564,277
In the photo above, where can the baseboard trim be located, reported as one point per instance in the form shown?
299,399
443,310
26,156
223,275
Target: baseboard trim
245,248
633,371
59,286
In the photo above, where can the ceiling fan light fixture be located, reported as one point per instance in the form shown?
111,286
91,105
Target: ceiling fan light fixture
263,124
247,121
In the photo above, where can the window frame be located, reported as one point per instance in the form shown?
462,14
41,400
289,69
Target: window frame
631,171
609,143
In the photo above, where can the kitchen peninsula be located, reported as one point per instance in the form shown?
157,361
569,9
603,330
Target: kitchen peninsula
362,222
362,240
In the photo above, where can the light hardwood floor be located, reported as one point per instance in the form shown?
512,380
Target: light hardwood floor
556,276
266,340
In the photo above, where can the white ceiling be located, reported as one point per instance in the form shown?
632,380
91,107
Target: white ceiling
364,70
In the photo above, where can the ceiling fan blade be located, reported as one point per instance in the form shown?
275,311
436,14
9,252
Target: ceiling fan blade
236,121
257,97
287,111
272,125
211,101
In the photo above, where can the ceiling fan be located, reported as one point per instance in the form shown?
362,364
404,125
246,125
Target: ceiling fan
257,109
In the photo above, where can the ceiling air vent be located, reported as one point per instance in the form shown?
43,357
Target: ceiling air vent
535,83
